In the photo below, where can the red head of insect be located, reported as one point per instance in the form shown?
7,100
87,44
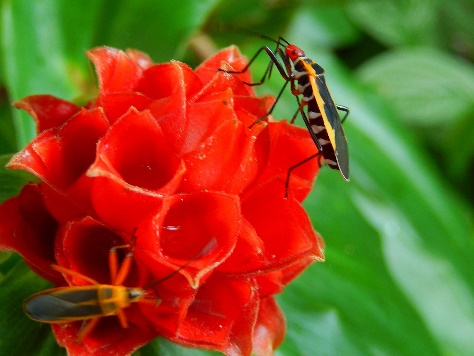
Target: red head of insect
293,52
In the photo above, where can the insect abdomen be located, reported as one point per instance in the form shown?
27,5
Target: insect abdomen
317,126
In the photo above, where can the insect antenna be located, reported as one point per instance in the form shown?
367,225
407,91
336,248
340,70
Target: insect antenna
209,247
223,28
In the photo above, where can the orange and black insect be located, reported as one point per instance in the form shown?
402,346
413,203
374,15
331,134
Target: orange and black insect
90,302
323,121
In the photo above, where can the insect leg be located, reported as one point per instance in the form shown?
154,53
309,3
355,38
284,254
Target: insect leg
272,107
264,48
287,183
286,75
124,269
211,245
117,274
284,70
345,109
86,327
308,124
315,140
69,272
274,60
122,318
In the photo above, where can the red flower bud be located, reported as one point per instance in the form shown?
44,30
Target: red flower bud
166,153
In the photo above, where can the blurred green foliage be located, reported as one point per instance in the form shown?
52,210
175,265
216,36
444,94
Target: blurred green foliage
399,237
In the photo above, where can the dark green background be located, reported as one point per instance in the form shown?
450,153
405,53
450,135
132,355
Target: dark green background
398,279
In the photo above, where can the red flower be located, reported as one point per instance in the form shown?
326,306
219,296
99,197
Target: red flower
167,151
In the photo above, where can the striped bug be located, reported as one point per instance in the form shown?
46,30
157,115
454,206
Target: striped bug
91,302
323,121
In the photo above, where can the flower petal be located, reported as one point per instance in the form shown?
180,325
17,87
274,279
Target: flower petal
117,104
223,317
249,254
27,228
221,82
136,149
108,338
69,203
116,71
134,169
198,229
289,145
283,226
60,156
203,118
226,161
170,85
167,311
47,110
270,328
120,205
273,282
208,70
140,58
83,246
170,113
169,79
250,109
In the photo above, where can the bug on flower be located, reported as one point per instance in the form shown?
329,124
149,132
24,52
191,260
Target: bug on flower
91,302
323,121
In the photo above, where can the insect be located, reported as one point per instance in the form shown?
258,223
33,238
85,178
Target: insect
323,121
91,302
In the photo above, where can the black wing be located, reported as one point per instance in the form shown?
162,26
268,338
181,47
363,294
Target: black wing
63,305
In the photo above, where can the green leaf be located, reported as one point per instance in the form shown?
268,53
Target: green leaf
163,347
34,59
7,129
455,26
459,152
245,20
79,24
11,181
159,28
402,22
425,86
326,26
20,335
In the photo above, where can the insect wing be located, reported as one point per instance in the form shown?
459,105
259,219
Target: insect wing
333,125
63,304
